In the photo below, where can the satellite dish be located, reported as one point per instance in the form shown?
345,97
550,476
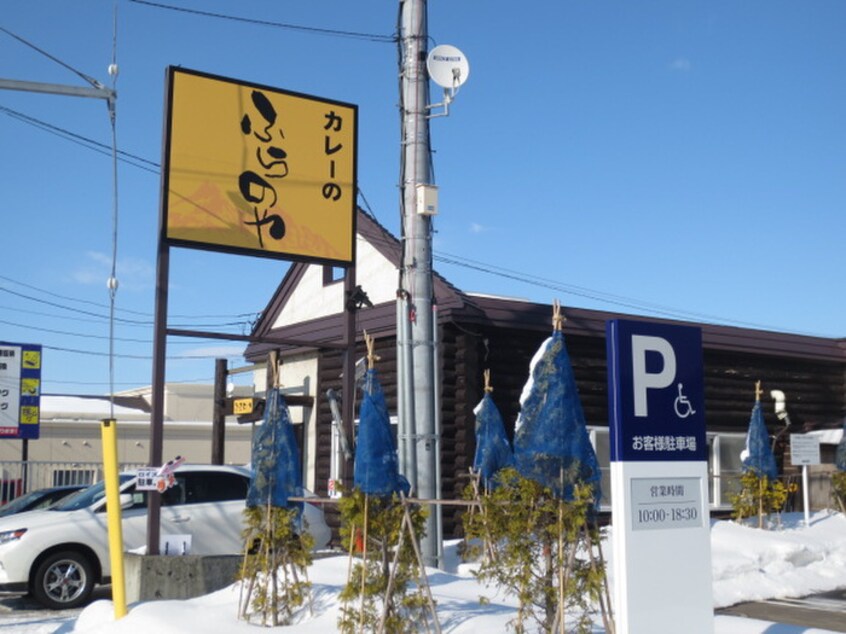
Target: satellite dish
447,66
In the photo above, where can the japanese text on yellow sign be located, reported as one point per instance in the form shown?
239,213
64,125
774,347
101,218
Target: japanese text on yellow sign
258,170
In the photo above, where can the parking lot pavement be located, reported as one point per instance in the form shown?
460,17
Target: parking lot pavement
825,611
23,615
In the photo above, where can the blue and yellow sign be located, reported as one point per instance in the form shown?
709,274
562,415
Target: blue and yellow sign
20,390
259,171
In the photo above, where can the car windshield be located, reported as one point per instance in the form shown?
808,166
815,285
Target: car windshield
86,497
20,502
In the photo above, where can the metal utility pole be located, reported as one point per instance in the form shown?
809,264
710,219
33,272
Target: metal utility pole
415,328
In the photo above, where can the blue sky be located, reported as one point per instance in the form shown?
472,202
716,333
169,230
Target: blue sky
666,157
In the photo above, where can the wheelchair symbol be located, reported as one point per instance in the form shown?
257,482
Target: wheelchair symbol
682,405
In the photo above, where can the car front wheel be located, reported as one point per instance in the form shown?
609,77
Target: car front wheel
63,580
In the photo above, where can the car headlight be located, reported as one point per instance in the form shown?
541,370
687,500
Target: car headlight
10,536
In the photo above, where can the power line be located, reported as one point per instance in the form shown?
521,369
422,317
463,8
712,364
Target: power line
128,322
86,142
101,320
67,297
71,334
125,310
607,298
87,78
184,357
371,37
71,309
124,383
64,317
83,335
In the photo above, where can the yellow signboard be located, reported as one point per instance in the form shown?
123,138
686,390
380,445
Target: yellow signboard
31,359
242,406
257,170
29,415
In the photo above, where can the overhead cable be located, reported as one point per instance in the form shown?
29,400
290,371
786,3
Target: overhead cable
371,37
87,78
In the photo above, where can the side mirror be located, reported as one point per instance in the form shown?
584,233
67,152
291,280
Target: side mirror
125,500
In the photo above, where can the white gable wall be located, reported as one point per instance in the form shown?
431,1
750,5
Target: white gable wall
312,300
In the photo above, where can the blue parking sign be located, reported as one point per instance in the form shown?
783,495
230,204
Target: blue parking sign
655,392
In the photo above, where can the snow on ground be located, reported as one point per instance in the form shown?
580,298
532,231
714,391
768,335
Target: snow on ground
748,564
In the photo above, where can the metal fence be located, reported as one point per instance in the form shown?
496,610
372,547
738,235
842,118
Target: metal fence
17,478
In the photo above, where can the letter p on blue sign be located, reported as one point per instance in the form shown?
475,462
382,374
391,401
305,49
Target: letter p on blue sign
655,392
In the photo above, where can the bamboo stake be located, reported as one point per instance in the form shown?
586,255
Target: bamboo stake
558,317
310,595
571,559
561,592
488,549
364,565
605,593
760,501
423,582
349,563
392,578
244,604
267,555
520,612
372,357
559,613
421,567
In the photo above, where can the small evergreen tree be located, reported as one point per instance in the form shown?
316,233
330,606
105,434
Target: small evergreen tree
275,568
759,496
540,548
761,492
371,530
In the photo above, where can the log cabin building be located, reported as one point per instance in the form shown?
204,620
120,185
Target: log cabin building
476,332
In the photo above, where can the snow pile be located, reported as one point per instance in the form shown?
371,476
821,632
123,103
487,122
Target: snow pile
748,564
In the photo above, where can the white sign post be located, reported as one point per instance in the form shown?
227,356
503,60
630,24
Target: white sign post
804,451
659,480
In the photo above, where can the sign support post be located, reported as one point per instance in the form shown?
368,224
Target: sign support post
805,451
659,479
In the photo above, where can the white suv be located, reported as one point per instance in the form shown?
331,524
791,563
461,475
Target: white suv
58,555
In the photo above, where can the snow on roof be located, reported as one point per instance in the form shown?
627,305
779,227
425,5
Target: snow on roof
828,436
59,407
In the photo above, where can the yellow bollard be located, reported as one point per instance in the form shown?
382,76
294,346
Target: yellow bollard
108,430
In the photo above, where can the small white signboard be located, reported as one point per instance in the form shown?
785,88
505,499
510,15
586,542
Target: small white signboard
175,545
146,479
804,450
662,503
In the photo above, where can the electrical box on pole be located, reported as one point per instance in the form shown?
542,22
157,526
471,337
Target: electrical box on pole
427,200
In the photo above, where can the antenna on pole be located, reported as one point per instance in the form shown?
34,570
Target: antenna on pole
448,68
